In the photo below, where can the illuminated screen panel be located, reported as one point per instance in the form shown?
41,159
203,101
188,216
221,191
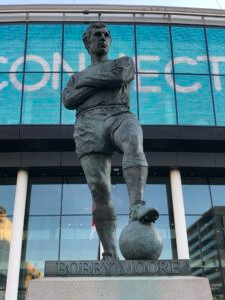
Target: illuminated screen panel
156,100
153,48
218,83
216,46
12,45
194,100
75,55
189,50
10,98
68,116
41,100
44,43
122,41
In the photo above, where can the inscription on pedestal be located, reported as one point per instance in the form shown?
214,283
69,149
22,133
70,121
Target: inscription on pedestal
117,268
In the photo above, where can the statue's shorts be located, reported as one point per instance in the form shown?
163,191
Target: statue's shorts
94,129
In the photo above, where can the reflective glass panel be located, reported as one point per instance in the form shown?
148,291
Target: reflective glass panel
44,196
41,243
216,46
156,100
156,195
153,48
196,196
218,83
41,100
76,198
163,225
79,241
12,41
76,57
202,241
194,100
217,186
221,238
68,116
189,50
10,97
194,245
7,196
120,198
44,42
5,238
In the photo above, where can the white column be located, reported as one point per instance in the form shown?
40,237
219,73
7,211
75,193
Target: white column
179,214
17,235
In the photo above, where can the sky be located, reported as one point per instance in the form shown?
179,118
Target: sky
217,4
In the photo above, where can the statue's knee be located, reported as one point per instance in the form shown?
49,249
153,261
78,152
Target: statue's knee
133,143
104,212
100,190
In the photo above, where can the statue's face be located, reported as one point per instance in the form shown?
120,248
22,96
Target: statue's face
99,41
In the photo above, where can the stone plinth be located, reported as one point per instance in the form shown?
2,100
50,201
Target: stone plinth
119,288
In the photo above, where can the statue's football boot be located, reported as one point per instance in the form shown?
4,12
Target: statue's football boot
139,212
108,256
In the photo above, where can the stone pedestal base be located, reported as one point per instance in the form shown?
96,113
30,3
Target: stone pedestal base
119,288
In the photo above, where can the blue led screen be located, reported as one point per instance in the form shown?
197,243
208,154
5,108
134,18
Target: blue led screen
189,50
179,71
153,49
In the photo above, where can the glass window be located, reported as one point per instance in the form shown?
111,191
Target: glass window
194,100
40,244
79,241
75,56
164,227
157,195
76,197
7,196
217,186
196,196
120,198
12,41
41,100
156,100
189,50
153,48
10,97
216,46
218,83
5,238
44,196
44,43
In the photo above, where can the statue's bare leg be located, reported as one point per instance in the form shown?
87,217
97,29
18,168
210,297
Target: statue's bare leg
128,137
97,170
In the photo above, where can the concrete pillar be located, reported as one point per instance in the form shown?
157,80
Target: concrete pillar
17,235
179,214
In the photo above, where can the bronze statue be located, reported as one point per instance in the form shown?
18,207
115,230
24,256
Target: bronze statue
104,123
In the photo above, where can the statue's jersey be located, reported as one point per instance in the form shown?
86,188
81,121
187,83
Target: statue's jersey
104,84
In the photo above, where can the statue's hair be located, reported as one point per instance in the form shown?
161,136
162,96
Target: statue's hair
87,32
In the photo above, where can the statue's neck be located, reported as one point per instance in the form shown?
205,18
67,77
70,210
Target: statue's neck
98,59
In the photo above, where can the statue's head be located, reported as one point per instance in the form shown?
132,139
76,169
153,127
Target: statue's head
97,39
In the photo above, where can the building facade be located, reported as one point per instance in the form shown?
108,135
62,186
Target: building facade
178,95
